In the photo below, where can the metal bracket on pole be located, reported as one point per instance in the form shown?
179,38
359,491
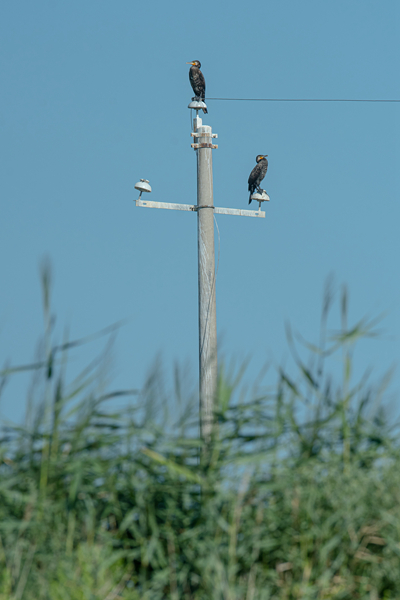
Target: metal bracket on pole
212,146
205,134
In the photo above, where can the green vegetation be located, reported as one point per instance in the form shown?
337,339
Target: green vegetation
297,496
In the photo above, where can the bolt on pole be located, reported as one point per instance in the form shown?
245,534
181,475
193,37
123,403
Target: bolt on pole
206,258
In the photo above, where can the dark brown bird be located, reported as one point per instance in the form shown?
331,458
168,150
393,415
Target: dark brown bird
197,81
258,174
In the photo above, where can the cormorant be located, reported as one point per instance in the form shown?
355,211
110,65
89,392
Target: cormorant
197,81
258,174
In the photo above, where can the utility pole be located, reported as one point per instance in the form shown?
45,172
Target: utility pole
205,209
206,258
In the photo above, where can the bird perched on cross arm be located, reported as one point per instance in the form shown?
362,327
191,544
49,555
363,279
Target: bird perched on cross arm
197,81
258,174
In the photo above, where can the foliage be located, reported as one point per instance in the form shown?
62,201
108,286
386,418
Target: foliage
296,496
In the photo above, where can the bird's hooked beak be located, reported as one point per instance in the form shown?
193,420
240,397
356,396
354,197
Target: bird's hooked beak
190,63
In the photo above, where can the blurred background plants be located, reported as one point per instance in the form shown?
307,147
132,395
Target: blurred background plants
297,495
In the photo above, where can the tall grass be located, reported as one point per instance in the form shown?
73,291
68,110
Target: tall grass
297,496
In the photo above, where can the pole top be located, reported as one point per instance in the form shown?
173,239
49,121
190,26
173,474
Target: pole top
204,132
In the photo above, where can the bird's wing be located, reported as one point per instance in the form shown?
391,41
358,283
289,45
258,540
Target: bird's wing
254,174
197,81
202,81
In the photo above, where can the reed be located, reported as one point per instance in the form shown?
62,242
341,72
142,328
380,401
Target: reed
298,497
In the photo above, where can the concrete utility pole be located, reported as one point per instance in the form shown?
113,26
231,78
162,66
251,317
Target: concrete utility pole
206,258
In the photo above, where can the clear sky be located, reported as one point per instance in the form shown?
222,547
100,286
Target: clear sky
94,96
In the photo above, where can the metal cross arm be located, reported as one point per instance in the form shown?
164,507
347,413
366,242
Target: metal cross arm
193,207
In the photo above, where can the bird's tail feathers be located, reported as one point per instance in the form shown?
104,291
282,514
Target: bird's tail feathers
250,198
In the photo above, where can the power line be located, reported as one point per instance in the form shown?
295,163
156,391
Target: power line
303,100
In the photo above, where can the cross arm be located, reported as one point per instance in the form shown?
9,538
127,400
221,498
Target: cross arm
193,208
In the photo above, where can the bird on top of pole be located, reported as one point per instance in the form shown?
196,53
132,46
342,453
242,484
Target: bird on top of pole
197,81
258,174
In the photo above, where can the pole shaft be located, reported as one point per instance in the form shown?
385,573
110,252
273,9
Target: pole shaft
207,302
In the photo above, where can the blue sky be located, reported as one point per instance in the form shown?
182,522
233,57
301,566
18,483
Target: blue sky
94,97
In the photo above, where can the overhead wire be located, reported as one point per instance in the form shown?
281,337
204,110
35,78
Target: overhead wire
307,99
